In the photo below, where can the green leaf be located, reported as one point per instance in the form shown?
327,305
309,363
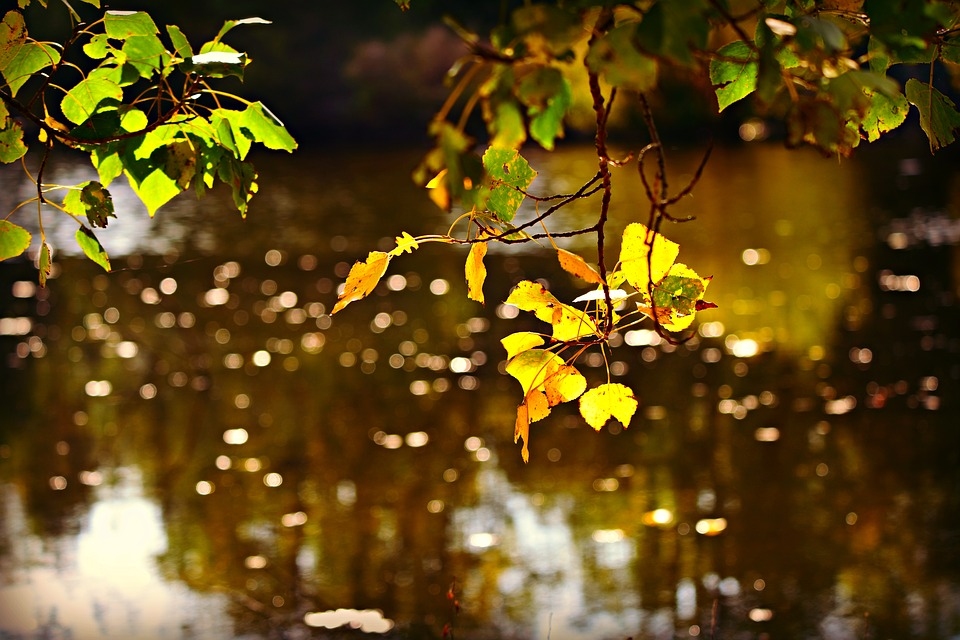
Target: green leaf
146,54
264,127
506,127
510,172
120,25
14,240
547,96
242,178
11,137
44,264
19,58
86,98
180,43
98,47
733,73
615,58
547,27
939,118
92,248
230,24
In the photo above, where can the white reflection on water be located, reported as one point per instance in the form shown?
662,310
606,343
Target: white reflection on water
103,582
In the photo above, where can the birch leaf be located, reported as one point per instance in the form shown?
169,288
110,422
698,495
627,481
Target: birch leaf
405,242
563,385
611,400
522,430
568,323
362,279
538,406
576,265
532,368
517,343
44,264
639,265
475,271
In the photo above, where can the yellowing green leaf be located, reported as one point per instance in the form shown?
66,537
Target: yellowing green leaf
677,298
532,368
475,271
521,341
14,240
733,73
646,256
362,279
611,400
405,242
576,265
568,323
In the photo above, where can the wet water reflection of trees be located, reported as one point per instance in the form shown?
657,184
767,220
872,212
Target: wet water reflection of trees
795,462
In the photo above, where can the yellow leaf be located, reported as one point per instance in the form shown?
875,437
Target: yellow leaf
563,385
576,265
611,400
438,190
522,430
538,407
405,242
678,296
568,323
362,279
616,278
521,341
532,368
636,251
475,271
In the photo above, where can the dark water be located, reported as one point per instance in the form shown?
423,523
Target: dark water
190,447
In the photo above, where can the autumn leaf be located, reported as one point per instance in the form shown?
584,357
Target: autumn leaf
611,400
538,406
521,430
44,264
532,368
405,242
568,323
475,272
563,385
640,266
362,279
677,297
576,265
521,341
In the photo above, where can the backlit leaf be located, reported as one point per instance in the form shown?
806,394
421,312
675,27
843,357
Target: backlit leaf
733,73
677,296
180,43
576,265
538,407
638,263
14,240
91,200
531,368
521,430
92,248
362,279
563,385
611,400
146,54
86,97
521,341
885,114
475,271
266,129
44,264
230,24
939,118
568,323
20,59
11,137
510,172
120,25
405,242
216,64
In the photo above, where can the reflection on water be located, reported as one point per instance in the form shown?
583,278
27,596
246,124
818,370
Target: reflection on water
192,447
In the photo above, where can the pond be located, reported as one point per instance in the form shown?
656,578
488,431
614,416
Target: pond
191,447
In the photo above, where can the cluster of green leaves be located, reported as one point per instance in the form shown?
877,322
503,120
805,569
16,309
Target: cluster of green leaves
822,65
139,105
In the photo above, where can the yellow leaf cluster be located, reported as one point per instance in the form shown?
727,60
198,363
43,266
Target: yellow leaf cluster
362,279
546,381
611,400
568,322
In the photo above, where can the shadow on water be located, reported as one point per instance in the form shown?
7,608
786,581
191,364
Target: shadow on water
192,447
